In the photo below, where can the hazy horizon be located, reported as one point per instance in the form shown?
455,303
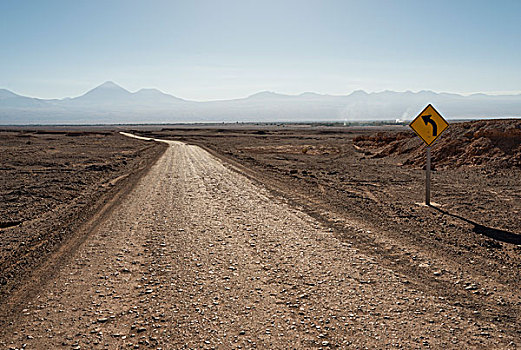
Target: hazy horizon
493,93
110,103
211,51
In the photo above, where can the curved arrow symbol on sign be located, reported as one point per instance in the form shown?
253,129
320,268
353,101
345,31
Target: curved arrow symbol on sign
427,119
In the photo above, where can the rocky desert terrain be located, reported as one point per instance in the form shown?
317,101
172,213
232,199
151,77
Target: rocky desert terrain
269,236
52,182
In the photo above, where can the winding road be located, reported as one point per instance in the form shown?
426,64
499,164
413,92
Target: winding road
199,256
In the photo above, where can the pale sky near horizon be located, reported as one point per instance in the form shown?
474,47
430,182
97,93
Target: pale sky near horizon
207,50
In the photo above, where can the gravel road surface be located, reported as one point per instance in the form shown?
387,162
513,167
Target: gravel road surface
199,256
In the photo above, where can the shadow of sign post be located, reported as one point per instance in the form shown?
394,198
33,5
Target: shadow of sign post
493,233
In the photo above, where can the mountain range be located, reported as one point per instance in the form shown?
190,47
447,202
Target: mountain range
109,103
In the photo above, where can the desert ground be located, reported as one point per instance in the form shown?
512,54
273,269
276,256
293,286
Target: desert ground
260,236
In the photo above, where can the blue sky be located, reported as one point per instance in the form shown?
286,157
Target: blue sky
206,50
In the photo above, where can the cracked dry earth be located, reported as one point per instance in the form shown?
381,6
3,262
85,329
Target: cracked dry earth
198,256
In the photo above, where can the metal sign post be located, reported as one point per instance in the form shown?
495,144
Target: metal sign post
428,177
429,125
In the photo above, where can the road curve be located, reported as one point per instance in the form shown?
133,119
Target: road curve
198,256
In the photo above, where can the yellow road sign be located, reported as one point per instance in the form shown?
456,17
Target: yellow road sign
429,125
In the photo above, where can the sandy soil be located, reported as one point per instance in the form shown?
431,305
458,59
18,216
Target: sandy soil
206,254
467,250
53,181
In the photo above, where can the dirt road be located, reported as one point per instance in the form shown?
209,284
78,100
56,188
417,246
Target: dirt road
198,256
